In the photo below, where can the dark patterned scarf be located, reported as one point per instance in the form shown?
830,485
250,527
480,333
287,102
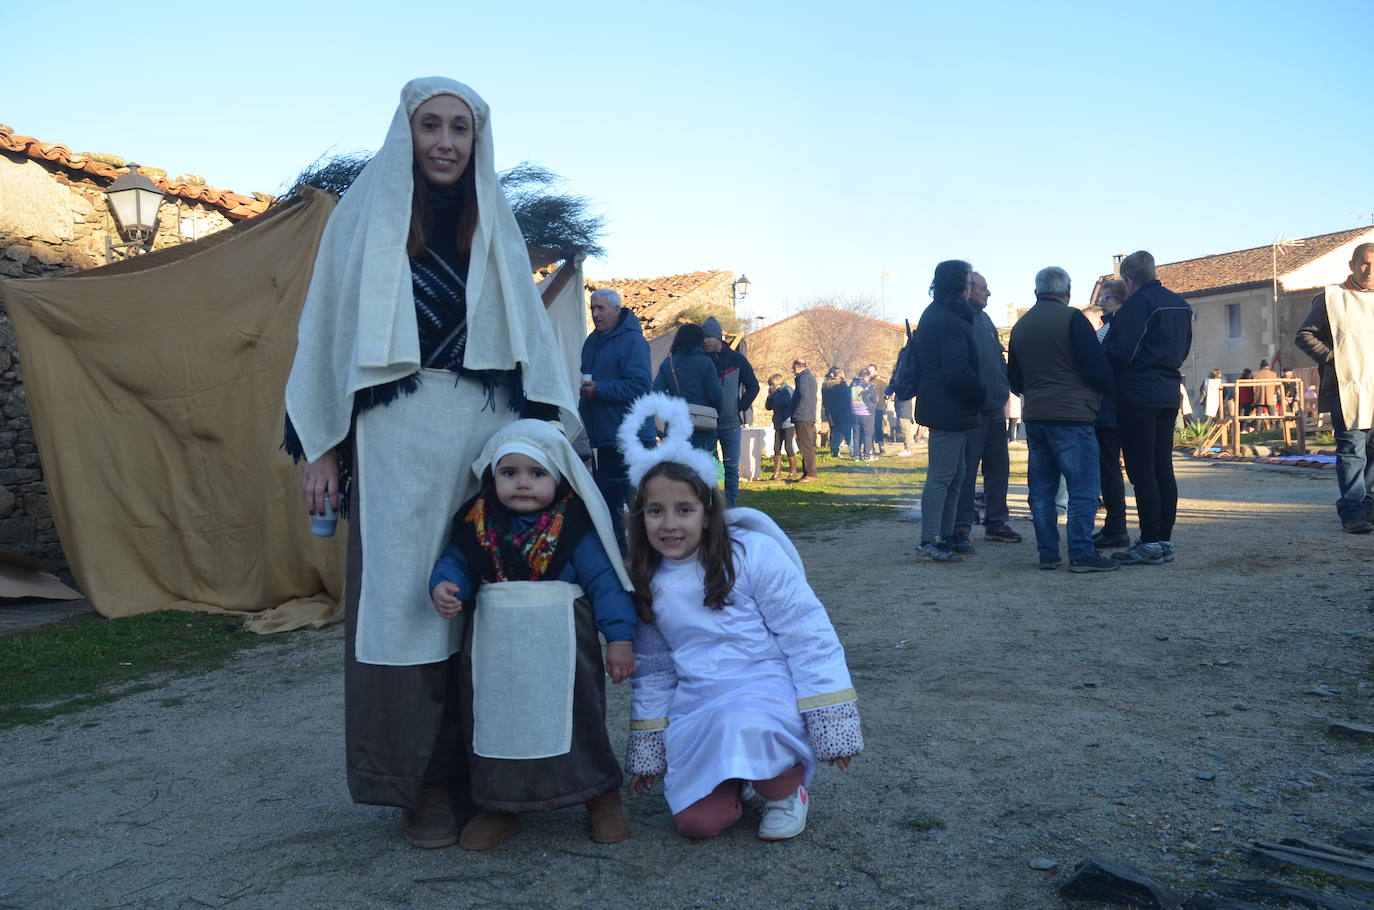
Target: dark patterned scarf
501,545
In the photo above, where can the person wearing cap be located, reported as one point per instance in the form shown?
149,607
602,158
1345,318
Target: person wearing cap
738,389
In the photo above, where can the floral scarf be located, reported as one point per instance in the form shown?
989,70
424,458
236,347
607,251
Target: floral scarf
486,531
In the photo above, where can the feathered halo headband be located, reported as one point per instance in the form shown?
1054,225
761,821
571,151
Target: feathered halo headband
676,446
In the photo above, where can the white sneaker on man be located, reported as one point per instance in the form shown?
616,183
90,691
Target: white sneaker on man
784,818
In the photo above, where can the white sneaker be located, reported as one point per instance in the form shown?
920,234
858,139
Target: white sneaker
784,818
747,792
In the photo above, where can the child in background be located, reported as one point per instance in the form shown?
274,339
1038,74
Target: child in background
741,680
779,401
523,550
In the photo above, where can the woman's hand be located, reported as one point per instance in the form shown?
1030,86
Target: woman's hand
620,660
642,783
446,602
842,763
321,480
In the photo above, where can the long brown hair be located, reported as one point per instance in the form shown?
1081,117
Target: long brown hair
716,552
419,209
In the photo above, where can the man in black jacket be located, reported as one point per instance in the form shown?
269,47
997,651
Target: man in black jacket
1150,338
1346,368
988,443
805,409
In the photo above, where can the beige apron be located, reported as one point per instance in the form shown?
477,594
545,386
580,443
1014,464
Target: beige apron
414,461
524,659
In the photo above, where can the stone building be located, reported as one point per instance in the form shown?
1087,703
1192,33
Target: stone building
1248,304
54,220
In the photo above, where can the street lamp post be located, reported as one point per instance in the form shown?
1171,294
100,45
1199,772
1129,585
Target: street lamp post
740,290
134,199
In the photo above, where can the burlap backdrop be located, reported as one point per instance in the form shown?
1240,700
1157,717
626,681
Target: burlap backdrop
155,387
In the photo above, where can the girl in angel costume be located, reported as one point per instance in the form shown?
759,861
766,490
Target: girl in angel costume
740,683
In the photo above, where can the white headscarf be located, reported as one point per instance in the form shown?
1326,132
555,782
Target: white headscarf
546,444
358,328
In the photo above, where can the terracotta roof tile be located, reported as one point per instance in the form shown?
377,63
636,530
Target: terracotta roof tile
1243,268
656,301
234,206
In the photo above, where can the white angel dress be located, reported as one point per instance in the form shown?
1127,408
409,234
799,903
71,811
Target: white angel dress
743,692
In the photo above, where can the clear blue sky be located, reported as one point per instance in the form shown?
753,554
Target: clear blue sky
812,146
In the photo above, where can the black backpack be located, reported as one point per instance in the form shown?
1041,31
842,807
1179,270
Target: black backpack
906,376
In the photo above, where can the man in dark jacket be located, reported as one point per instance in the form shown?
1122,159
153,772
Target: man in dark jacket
616,358
1150,338
1346,370
1058,365
738,389
988,443
805,410
948,396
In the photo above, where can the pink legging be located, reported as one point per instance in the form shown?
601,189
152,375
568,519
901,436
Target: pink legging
721,808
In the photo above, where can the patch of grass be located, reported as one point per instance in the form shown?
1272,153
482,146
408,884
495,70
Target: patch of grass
925,822
847,493
68,667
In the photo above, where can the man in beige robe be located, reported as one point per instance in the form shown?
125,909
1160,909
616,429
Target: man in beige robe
1338,334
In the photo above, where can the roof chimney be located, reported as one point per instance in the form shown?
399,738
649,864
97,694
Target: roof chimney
1116,264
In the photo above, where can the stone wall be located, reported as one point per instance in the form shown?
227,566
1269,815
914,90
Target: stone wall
54,222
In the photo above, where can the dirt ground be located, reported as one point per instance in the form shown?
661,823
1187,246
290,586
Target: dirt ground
1162,716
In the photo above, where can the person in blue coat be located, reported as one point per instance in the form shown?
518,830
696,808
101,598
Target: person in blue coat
615,371
948,397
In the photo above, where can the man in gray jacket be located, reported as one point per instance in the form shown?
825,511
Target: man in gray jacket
988,442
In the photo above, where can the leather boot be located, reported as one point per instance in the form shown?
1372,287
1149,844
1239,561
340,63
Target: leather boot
488,829
607,816
791,468
777,467
432,822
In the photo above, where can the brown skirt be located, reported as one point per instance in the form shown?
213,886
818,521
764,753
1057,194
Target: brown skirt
402,730
540,784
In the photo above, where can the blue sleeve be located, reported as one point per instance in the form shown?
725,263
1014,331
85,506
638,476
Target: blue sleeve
611,604
711,390
663,381
453,566
1087,352
634,368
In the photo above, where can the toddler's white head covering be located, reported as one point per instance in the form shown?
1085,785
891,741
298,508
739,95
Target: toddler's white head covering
547,444
520,447
358,327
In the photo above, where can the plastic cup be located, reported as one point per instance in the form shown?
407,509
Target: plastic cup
324,525
586,377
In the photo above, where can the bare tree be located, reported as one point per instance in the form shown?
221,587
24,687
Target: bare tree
830,336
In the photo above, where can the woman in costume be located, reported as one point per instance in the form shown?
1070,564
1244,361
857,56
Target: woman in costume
422,335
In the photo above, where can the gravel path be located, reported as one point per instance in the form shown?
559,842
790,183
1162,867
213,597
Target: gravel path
1163,716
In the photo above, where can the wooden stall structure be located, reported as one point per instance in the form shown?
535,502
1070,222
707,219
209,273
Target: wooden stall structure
1291,419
